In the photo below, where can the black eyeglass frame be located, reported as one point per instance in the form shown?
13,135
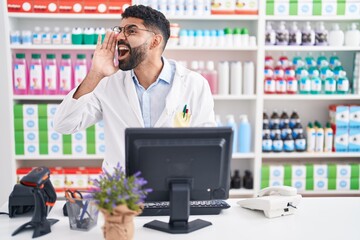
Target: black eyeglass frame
127,30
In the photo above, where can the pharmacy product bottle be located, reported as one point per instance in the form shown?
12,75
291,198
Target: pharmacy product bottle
316,85
236,180
294,119
99,31
269,86
329,137
274,119
280,85
284,119
223,77
270,35
342,83
336,36
80,69
89,36
236,78
275,129
310,137
266,129
77,36
50,75
294,35
218,120
278,144
36,81
330,83
297,129
199,38
269,61
279,70
231,123
228,37
20,75
237,37
289,144
211,76
46,36
248,180
244,37
66,36
184,38
26,37
284,61
321,35
319,139
285,130
291,85
268,71
56,36
322,61
308,35
244,134
352,36
265,118
266,143
304,85
249,78
282,35
289,71
37,35
300,143
65,74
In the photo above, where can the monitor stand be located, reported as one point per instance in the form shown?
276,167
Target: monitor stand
179,211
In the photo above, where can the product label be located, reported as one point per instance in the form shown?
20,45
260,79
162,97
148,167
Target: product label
277,145
273,132
35,77
316,85
305,85
343,85
19,77
269,86
289,145
80,74
56,38
330,85
281,86
65,78
46,38
291,86
66,38
36,38
266,145
50,77
300,144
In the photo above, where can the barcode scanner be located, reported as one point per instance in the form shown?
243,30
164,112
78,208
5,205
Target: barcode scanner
39,180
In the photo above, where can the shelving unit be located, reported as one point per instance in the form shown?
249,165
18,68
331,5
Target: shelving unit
310,107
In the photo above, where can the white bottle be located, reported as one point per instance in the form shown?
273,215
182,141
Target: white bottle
321,35
249,78
336,36
46,36
236,78
270,35
329,136
352,36
36,37
319,139
56,36
66,36
308,35
282,35
310,137
294,35
224,78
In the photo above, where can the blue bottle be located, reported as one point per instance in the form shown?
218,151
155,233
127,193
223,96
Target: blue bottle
244,135
231,123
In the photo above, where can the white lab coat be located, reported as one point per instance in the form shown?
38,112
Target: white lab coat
116,102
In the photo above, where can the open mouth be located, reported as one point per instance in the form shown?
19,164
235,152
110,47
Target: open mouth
123,52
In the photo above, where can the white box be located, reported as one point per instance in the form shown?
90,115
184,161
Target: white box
276,172
51,110
31,124
276,182
305,8
78,148
354,141
100,148
320,171
299,184
31,149
99,137
55,149
343,171
329,8
352,8
281,7
320,184
31,136
343,184
30,111
54,137
79,137
298,171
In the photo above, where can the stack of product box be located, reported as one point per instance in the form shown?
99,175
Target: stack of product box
312,177
313,7
34,134
345,122
74,178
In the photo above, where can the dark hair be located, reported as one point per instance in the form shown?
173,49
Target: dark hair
151,17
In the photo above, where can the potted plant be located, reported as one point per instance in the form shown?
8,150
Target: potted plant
120,199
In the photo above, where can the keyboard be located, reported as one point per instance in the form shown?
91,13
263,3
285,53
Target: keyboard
211,207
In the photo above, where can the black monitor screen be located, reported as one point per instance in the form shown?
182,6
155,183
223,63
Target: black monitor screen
196,158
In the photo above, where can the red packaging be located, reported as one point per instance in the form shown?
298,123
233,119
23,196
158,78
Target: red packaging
57,178
95,6
71,6
45,6
119,7
20,6
21,172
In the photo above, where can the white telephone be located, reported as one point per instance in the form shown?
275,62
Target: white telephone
274,201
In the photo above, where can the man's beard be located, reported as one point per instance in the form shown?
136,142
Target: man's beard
136,56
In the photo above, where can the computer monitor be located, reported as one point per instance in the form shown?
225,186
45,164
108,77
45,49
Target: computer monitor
181,164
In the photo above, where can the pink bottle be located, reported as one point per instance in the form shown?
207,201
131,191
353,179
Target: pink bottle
65,74
36,81
291,85
20,77
211,76
50,75
80,69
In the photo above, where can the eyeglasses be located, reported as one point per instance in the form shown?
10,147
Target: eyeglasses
129,30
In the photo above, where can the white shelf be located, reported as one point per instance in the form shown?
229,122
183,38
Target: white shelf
39,97
310,48
311,97
243,155
293,155
232,97
60,157
313,18
233,17
92,47
330,193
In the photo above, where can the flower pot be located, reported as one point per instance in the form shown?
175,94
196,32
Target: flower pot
119,225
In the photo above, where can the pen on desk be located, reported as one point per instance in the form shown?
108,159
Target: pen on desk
184,111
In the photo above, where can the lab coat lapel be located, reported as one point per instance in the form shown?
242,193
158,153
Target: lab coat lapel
172,99
133,98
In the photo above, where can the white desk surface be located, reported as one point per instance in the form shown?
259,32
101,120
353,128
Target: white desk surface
316,218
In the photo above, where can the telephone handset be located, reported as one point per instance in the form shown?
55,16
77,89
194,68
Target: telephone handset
278,190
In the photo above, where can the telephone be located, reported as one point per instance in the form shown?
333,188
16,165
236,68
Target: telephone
274,201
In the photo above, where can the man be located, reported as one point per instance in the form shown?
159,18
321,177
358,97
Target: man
147,91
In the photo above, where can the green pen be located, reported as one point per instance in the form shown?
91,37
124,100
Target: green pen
184,111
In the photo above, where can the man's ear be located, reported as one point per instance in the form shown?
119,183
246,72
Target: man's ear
157,40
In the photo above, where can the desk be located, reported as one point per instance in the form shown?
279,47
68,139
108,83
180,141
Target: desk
316,218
